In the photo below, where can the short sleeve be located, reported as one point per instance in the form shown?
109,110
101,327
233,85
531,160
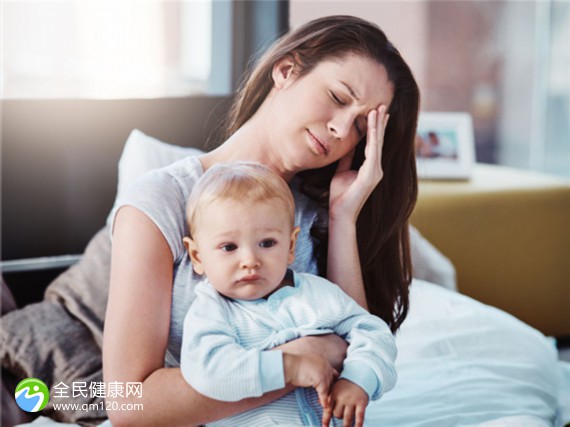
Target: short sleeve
161,194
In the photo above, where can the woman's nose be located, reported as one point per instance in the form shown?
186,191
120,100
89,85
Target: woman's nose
340,125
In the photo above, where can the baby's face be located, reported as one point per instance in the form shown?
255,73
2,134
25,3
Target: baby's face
243,247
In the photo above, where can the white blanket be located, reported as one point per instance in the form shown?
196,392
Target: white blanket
463,363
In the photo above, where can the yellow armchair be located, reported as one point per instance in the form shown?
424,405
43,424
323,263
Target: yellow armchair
507,232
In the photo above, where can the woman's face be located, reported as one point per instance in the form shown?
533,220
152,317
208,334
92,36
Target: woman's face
323,115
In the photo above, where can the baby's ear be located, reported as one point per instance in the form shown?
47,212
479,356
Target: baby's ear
194,254
293,243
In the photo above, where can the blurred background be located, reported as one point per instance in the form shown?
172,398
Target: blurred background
77,76
507,63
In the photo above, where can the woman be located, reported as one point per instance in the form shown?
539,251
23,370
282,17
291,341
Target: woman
331,104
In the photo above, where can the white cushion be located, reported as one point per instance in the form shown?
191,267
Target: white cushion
143,153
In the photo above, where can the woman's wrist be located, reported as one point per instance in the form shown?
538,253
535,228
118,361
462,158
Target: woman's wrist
342,225
341,215
290,363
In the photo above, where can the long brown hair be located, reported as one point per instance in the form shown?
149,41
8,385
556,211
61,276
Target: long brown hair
382,226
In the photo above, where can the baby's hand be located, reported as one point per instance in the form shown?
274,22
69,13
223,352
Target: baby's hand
310,370
348,401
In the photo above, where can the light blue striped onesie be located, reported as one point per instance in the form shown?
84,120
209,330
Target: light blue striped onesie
226,347
161,194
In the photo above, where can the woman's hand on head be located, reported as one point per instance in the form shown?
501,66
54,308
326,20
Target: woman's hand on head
350,188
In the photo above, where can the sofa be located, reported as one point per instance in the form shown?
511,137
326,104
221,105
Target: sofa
507,232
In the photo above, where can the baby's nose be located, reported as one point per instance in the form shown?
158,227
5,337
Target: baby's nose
250,260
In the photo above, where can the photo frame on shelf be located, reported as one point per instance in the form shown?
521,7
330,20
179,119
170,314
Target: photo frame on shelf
445,147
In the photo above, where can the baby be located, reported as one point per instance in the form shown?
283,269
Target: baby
242,238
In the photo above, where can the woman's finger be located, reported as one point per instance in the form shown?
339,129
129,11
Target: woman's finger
323,393
372,135
372,166
327,415
381,123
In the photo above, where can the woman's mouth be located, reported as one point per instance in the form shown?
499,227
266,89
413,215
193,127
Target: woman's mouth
317,145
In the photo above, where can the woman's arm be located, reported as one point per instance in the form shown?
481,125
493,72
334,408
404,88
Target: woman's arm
343,263
349,191
371,358
136,334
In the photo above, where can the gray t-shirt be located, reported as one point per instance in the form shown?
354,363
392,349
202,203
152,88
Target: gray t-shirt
162,194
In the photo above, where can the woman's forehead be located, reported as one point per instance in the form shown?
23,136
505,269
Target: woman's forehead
363,78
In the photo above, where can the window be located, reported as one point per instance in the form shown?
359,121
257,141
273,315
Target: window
507,63
129,49
100,49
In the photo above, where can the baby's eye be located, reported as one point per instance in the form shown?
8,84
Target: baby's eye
229,247
268,243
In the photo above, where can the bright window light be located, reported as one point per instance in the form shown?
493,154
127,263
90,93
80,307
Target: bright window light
106,49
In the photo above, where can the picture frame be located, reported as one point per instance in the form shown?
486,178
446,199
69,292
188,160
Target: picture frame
445,147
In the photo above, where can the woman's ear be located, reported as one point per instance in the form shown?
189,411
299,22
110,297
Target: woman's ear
194,254
283,72
294,235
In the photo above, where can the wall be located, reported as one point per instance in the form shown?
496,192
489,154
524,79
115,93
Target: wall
404,22
59,163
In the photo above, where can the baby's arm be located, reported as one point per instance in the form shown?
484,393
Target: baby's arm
214,362
371,354
369,368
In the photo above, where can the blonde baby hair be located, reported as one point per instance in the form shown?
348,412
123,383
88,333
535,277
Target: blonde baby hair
244,181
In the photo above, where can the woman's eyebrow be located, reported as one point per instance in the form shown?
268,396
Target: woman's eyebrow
354,95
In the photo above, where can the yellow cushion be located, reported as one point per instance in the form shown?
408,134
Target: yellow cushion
507,232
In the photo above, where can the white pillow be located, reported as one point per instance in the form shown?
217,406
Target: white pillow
143,153
429,263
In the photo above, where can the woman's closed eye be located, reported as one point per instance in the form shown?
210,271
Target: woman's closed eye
341,102
267,243
336,99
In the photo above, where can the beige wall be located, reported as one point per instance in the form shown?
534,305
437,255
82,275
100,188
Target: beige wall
404,22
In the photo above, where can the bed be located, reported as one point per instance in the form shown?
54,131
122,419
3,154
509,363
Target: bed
460,362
